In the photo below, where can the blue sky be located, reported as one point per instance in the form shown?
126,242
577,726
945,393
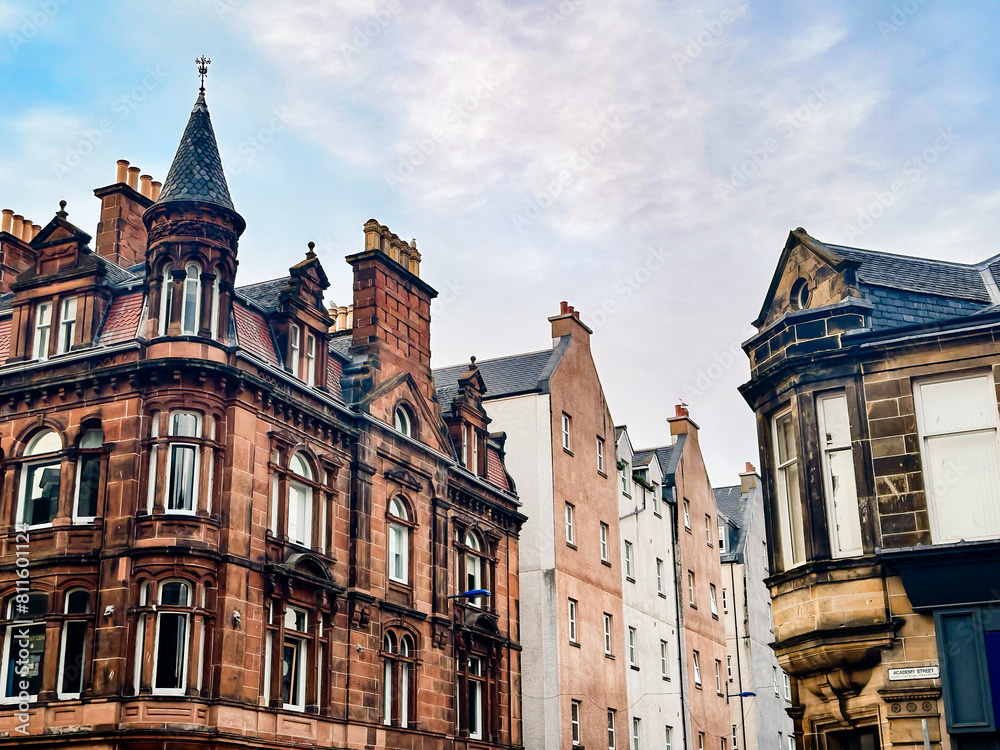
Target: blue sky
642,159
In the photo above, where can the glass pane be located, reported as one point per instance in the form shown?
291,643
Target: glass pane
387,692
181,494
846,519
189,322
44,442
69,309
32,671
785,438
170,651
965,486
41,493
91,439
795,513
835,425
175,594
953,405
299,513
72,661
78,603
398,509
299,466
290,673
404,694
90,476
184,424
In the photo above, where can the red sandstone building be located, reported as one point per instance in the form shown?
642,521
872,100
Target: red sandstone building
226,526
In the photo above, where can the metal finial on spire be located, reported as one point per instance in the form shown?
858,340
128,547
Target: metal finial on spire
203,63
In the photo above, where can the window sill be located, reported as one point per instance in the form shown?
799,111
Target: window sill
602,473
567,450
698,685
608,656
575,644
688,529
661,595
630,579
715,615
571,545
633,666
606,562
692,606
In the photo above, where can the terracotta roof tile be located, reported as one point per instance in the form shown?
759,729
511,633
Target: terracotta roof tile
122,320
254,335
334,371
494,469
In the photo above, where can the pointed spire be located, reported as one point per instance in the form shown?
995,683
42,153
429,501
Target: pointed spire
196,172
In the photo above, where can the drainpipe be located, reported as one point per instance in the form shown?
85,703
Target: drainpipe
736,628
680,612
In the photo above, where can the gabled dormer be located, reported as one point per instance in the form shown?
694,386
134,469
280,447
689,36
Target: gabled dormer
60,299
301,322
193,233
467,421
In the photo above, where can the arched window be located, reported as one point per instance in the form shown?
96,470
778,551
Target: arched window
300,501
24,647
398,655
293,661
403,421
173,628
399,541
38,499
73,644
88,475
191,309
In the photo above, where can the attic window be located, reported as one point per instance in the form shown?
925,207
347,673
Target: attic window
800,294
402,421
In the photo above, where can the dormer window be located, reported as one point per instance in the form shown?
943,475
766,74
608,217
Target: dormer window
402,421
67,324
43,330
800,294
295,349
310,359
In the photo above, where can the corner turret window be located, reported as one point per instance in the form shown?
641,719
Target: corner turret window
38,500
182,465
192,300
402,421
173,626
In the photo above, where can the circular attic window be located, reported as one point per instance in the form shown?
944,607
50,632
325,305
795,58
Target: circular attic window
800,294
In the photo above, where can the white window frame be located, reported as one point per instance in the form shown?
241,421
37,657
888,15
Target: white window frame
67,324
402,422
72,618
696,662
43,331
664,660
189,285
571,621
729,667
608,644
300,638
725,600
791,531
476,690
612,735
185,617
636,732
629,562
692,601
605,532
574,721
713,599
774,680
177,441
310,359
295,349
633,647
669,738
718,676
399,542
86,453
827,451
570,524
933,484
687,515
9,638
660,588
787,684
600,455
708,530
722,538
38,461
567,438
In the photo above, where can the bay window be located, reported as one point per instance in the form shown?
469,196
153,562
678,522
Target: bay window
88,475
957,424
38,498
789,517
24,647
838,475
182,462
173,628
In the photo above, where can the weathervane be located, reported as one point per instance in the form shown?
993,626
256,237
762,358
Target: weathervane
203,63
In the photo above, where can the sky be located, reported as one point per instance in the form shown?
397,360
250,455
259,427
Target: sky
643,160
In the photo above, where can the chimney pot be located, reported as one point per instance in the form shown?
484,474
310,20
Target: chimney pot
133,177
35,229
750,468
8,219
563,307
681,411
17,226
122,171
154,190
146,184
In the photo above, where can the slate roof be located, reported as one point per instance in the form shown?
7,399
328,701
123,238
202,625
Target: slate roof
663,454
196,171
920,275
264,294
340,343
254,334
504,376
731,502
122,277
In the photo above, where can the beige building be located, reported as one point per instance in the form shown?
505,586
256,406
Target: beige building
873,377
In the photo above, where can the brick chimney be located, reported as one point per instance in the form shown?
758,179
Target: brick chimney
682,424
16,254
568,323
392,309
121,235
749,478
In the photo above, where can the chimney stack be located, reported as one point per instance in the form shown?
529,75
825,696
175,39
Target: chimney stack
121,235
568,323
682,424
749,478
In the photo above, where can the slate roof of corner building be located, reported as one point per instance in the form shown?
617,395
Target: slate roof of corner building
732,503
504,376
663,454
196,171
264,294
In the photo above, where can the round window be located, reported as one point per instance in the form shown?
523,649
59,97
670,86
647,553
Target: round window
800,294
